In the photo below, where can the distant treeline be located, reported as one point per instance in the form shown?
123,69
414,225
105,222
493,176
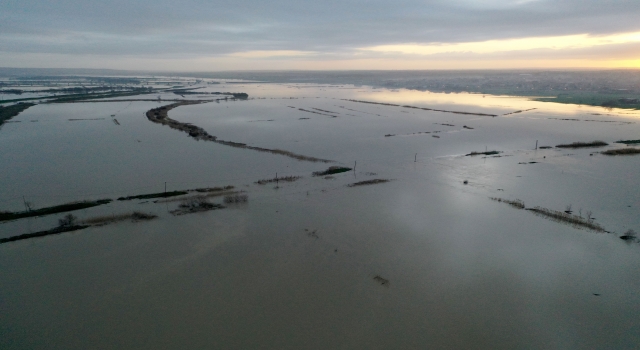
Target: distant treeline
77,90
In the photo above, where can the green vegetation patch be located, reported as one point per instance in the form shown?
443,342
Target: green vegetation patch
583,144
154,195
4,216
332,170
9,112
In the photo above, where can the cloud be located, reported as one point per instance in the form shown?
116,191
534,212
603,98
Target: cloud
263,30
567,42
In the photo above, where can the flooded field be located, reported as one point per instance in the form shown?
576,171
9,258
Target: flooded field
402,248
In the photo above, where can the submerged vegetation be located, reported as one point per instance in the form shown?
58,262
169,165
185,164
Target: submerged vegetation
583,144
622,151
212,189
368,182
516,203
564,217
423,108
9,112
109,219
195,205
559,216
629,236
236,198
331,170
383,281
4,216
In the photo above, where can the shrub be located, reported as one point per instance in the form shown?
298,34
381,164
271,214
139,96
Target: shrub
67,220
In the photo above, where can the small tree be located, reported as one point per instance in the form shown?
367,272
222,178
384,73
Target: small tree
67,220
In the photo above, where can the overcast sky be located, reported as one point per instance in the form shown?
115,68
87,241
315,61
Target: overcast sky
206,35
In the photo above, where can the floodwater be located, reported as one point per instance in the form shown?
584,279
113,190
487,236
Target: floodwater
295,267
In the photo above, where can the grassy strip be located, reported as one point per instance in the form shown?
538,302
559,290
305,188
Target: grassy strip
514,203
583,144
487,153
9,112
368,182
4,216
278,179
154,195
53,231
629,142
574,220
622,151
332,170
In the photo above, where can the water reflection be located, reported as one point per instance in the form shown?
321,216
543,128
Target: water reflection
463,271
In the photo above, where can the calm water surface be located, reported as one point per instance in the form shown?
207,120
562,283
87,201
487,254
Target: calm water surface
295,267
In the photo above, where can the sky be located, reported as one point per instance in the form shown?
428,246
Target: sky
212,35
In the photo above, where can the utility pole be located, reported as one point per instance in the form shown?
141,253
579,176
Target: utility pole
536,144
415,159
165,188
